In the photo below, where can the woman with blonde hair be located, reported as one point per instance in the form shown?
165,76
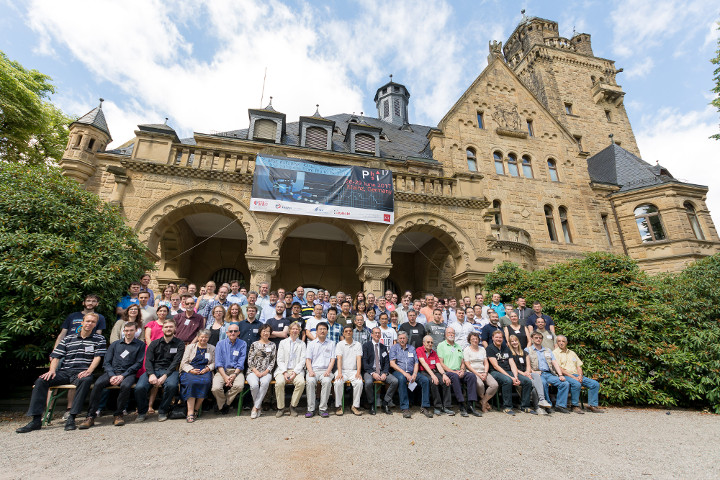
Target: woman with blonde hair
206,297
234,314
219,327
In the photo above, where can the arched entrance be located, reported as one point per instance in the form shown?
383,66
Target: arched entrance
318,253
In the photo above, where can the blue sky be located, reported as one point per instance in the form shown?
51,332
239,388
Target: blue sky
201,63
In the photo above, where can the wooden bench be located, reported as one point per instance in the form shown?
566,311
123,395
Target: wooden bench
55,393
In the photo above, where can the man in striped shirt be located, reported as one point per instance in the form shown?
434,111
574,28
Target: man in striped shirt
81,353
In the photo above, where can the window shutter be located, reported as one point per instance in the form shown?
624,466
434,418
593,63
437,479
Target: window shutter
364,143
265,129
316,137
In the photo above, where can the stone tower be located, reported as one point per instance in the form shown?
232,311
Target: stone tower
88,135
579,88
392,101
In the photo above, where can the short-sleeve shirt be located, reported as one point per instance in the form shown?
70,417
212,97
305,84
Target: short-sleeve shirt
436,331
502,355
73,322
277,326
488,331
405,359
431,358
568,360
452,355
415,334
349,354
388,337
78,352
320,354
476,359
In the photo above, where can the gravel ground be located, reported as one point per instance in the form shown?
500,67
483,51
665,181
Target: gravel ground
622,443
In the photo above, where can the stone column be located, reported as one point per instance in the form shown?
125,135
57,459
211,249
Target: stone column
372,276
261,269
121,181
469,283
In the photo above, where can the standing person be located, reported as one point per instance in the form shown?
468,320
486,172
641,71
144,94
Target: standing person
290,369
252,302
360,333
395,320
269,311
263,299
522,310
497,305
130,298
176,306
162,360
153,330
218,329
196,366
206,297
462,328
537,312
388,335
73,322
261,361
504,371
436,328
376,368
571,367
147,311
348,353
166,297
520,331
122,361
188,322
334,330
489,330
312,322
220,299
345,317
319,362
229,380
234,315
235,296
402,309
145,287
250,328
279,325
414,330
549,340
131,314
81,354
192,291
403,361
477,363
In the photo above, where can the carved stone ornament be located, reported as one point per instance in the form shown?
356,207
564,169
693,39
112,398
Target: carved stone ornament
507,118
495,48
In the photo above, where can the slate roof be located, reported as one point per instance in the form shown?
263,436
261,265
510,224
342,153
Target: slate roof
617,166
95,118
159,128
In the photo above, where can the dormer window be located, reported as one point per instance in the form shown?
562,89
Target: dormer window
364,143
265,130
316,137
266,124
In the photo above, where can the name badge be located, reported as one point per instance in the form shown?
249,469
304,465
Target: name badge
410,355
236,353
255,330
124,354
505,355
281,325
522,360
268,349
549,337
432,362
187,322
384,354
89,349
207,356
173,350
414,331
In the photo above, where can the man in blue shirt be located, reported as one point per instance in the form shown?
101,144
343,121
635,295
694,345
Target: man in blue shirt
497,305
543,364
229,380
235,296
130,299
403,362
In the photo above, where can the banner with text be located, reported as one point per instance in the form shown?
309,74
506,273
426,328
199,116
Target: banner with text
302,187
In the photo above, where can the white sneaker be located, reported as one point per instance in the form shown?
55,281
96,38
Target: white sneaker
545,404
541,411
254,414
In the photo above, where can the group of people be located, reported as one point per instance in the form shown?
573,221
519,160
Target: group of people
194,344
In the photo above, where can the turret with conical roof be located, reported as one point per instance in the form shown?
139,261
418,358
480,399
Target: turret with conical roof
88,135
392,101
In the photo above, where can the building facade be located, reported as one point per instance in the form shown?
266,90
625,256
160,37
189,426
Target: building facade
535,163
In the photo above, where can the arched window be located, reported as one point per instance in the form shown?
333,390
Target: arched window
498,215
552,168
550,222
471,160
225,275
694,222
564,224
527,167
649,223
513,165
499,169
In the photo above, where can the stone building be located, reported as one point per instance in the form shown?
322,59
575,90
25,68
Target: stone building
535,163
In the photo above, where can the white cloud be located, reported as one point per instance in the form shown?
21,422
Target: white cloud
641,69
309,55
679,141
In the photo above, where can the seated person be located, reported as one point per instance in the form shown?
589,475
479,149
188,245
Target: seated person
196,366
431,369
403,360
290,369
451,360
519,356
477,363
229,380
348,354
319,362
261,361
122,361
162,360
376,368
571,367
545,367
81,353
505,373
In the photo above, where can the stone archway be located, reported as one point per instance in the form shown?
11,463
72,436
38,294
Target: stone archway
196,232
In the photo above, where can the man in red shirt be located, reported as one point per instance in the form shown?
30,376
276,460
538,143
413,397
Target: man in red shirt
430,367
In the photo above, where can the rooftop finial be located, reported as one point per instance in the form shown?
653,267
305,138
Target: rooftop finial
166,119
612,140
574,31
524,17
391,77
101,102
317,110
270,104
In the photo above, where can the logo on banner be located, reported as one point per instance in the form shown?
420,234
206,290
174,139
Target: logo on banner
260,203
374,174
341,212
386,217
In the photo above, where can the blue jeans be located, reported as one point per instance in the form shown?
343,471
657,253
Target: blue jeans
562,388
506,385
170,388
592,386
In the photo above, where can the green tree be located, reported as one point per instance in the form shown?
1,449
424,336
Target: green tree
57,243
32,130
716,101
